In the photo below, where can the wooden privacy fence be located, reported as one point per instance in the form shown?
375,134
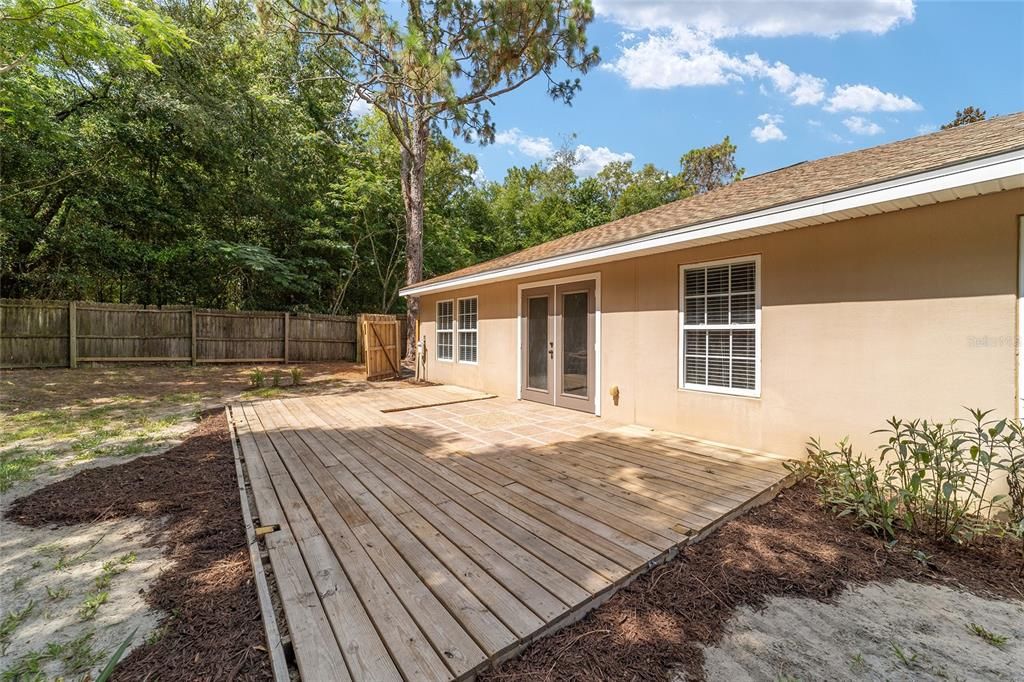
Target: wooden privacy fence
382,346
62,334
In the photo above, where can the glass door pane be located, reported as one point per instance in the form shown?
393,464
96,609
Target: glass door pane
575,359
537,343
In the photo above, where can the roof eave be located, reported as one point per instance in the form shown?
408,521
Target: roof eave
985,175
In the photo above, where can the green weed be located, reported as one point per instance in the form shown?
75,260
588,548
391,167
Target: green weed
257,378
112,568
10,623
268,392
908,660
20,463
92,603
992,638
156,635
76,655
59,594
27,667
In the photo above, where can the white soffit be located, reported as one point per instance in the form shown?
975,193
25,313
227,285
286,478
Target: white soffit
973,178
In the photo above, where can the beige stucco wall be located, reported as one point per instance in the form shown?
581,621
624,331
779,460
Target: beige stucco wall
910,313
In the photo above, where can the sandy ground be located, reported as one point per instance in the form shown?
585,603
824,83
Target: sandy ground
857,637
53,573
84,419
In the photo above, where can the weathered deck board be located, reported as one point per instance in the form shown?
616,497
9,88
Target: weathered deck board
415,543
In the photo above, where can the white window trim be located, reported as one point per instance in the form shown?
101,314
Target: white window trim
438,331
458,328
701,388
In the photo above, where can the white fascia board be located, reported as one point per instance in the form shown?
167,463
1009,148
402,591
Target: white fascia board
978,171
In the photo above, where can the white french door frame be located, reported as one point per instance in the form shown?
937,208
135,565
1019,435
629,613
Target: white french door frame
596,277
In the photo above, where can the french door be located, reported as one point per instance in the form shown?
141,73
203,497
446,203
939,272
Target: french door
558,335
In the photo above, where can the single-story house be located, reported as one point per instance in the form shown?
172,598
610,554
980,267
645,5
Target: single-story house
817,299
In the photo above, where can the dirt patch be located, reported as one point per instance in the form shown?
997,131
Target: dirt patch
791,547
54,422
39,389
210,625
897,631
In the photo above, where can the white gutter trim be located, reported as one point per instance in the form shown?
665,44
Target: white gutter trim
1000,166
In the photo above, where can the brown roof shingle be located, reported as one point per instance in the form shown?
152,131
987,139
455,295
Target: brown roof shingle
799,182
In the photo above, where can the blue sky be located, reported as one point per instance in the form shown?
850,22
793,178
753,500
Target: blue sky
787,81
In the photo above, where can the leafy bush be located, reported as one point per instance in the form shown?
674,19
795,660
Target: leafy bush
296,373
257,378
931,477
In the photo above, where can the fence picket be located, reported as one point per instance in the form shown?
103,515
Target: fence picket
67,333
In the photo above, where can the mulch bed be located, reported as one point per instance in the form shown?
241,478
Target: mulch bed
789,547
656,626
212,628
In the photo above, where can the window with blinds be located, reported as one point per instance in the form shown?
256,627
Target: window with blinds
445,330
467,329
719,327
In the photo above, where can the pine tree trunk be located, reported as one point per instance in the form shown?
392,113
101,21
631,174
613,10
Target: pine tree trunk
414,166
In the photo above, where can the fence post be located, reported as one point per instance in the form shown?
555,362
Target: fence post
359,337
398,350
194,357
286,338
72,335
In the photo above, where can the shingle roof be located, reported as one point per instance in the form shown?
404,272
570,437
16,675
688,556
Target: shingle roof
799,182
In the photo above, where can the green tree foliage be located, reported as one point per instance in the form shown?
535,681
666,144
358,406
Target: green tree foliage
707,168
189,152
965,116
193,178
443,63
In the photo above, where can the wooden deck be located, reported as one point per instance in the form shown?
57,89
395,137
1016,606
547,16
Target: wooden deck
420,538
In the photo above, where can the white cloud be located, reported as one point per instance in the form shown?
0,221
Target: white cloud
770,130
926,128
862,126
359,107
801,88
765,18
678,58
534,147
674,43
590,160
867,98
686,58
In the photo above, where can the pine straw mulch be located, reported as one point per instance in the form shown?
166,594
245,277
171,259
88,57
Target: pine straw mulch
789,547
211,627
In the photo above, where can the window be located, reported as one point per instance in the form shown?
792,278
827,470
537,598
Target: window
445,326
719,327
467,330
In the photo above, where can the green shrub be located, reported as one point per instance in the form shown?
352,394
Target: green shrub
296,373
930,477
257,378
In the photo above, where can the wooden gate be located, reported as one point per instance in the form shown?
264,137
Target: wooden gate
381,347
